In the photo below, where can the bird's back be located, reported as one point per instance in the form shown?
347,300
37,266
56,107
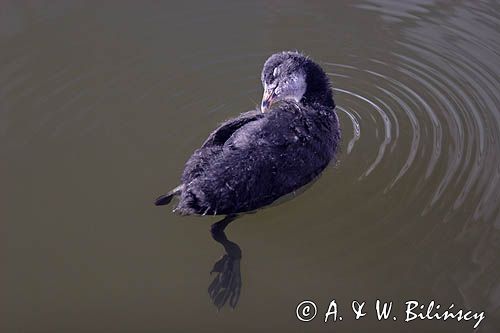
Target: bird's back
260,159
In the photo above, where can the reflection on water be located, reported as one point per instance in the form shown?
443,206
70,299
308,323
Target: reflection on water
226,285
101,107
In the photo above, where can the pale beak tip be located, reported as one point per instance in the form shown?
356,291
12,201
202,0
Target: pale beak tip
265,105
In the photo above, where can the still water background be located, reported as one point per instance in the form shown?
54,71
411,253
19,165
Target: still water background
101,105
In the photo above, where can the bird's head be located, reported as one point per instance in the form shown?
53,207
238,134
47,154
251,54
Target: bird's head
293,76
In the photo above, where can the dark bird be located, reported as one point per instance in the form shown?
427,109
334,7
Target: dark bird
251,160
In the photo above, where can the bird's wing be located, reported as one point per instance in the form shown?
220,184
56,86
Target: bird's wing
257,164
226,129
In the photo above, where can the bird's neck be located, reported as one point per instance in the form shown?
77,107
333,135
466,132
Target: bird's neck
318,89
323,97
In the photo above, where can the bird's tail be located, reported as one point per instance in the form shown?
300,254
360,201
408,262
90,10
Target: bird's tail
166,198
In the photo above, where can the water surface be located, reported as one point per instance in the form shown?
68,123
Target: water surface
101,106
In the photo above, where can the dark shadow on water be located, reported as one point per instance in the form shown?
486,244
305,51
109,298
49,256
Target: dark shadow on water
226,285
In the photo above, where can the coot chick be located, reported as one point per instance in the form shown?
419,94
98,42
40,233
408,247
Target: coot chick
251,160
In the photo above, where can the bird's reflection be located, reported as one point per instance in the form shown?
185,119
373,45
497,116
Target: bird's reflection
226,285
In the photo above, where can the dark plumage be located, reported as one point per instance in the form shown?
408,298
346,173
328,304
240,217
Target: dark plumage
250,161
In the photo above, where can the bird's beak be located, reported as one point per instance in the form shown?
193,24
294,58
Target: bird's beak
267,99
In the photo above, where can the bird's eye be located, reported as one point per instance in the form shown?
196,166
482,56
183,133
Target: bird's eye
275,72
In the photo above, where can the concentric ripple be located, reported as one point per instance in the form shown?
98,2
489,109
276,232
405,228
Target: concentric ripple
430,112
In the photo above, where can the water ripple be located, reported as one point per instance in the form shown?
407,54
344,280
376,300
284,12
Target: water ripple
431,108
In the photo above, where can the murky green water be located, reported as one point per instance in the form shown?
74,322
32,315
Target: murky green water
101,105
